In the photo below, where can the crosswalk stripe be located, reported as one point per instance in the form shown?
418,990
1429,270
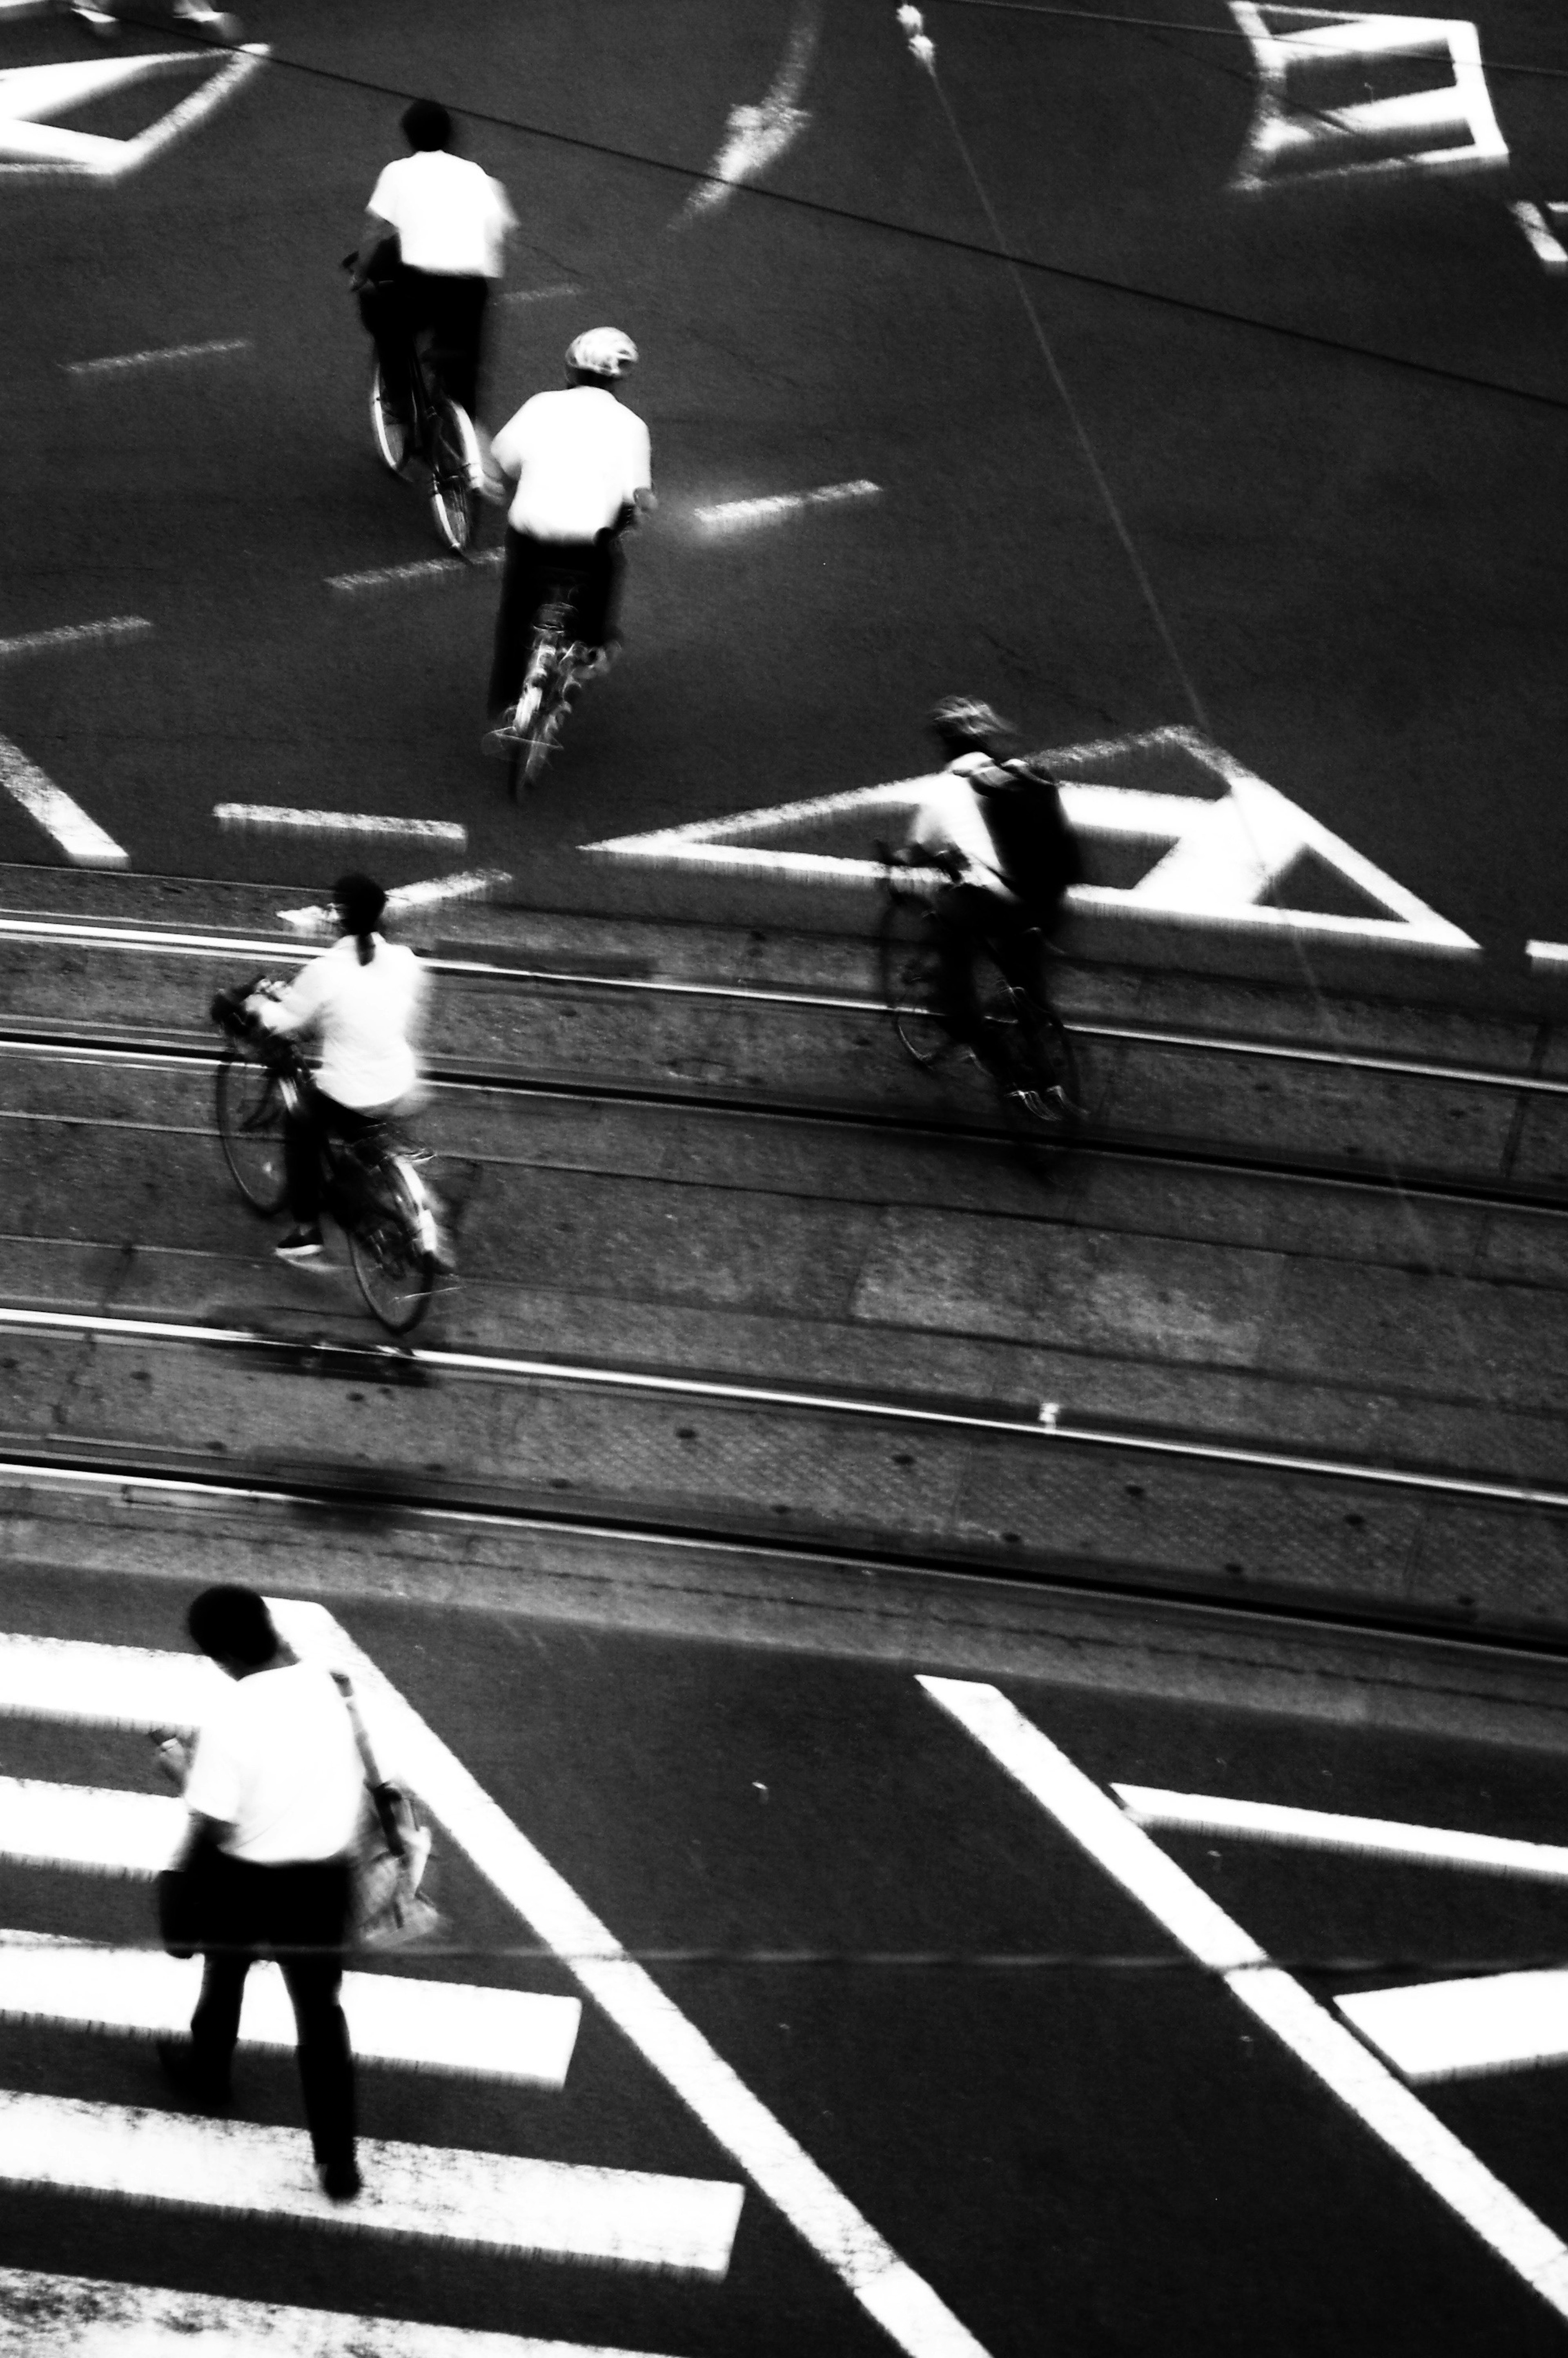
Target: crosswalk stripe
520,2036
103,1686
552,2209
93,1827
43,2316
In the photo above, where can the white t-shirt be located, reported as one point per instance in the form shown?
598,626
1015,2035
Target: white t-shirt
949,819
365,1015
578,456
449,216
275,1760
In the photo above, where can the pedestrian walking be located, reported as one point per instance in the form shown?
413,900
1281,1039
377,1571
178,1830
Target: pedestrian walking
275,1790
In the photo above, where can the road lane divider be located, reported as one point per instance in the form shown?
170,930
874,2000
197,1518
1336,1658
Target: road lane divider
424,568
73,634
1090,1817
450,2194
272,818
462,2030
48,2316
114,364
739,516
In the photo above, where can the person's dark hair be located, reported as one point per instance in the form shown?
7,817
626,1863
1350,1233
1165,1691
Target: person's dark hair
231,1623
359,901
426,124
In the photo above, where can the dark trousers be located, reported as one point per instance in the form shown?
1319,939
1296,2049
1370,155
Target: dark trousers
305,1137
274,1909
591,569
968,919
411,303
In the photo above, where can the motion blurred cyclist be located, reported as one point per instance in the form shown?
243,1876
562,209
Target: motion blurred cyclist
582,467
998,831
362,1000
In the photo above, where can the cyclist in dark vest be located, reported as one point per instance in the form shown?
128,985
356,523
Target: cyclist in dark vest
997,830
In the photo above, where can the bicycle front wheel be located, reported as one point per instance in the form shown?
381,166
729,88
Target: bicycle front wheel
455,470
250,1124
391,431
394,1265
908,976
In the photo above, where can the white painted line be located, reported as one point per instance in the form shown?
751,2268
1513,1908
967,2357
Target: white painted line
46,2316
1210,1813
425,569
81,837
1451,2030
89,1685
551,2210
32,147
541,294
477,884
1547,953
888,2290
95,1829
1397,2118
119,361
732,515
1226,852
759,135
1547,250
524,2038
70,634
266,818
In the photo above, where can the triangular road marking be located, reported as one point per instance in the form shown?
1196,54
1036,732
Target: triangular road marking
1222,854
31,145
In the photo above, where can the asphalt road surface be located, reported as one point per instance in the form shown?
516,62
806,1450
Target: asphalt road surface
1283,463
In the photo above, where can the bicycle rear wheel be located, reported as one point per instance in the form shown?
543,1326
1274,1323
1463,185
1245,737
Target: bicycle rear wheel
455,470
908,976
394,1265
1030,1058
250,1124
392,432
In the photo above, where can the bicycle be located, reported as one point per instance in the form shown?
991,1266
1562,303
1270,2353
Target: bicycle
440,432
558,665
1021,1045
371,1185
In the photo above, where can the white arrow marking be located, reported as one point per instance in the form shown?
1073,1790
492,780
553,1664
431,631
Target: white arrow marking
1225,854
522,2037
759,135
1212,1813
555,2210
1548,252
1399,2120
1458,2029
76,834
31,94
43,2316
1293,138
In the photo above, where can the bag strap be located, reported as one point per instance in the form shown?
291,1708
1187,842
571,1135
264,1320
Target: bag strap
380,1791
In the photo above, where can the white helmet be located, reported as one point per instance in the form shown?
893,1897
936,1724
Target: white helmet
602,352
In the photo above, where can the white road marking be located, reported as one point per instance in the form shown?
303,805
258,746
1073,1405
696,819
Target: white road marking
734,516
115,362
99,1828
553,2209
46,2316
541,294
70,634
1455,2029
1397,2118
1547,250
266,818
477,884
759,135
424,568
1210,1813
33,147
90,1686
1225,853
469,2029
888,2290
1292,138
1547,953
81,837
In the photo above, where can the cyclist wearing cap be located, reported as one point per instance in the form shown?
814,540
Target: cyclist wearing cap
580,466
434,239
998,831
362,999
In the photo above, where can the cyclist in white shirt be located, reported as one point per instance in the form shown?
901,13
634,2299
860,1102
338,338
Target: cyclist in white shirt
581,467
362,998
434,241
